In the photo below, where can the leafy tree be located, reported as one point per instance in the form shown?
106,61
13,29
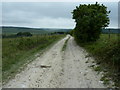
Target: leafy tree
19,34
72,32
27,34
90,19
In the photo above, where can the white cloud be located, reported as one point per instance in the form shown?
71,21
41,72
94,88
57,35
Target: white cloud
46,15
55,22
59,0
47,22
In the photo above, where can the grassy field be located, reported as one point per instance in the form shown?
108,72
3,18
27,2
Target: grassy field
16,52
107,53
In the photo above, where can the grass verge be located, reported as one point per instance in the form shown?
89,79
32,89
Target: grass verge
17,52
107,53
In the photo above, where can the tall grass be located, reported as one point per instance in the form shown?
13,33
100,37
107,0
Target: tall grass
18,51
107,52
106,49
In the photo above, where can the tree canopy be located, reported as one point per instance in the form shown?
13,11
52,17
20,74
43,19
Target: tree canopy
90,19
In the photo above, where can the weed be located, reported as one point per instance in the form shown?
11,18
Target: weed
105,80
97,68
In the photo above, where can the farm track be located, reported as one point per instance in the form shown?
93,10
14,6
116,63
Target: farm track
58,69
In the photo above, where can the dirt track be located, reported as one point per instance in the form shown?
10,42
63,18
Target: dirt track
65,69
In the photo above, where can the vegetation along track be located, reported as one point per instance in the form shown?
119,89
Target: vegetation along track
55,69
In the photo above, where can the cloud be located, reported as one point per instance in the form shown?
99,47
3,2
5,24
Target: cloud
113,7
56,22
45,14
46,22
38,14
59,0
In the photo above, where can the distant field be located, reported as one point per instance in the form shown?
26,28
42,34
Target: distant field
17,51
14,30
114,31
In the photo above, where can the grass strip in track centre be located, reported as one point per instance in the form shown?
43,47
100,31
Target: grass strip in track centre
65,44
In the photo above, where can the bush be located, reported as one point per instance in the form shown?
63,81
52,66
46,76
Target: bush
90,19
72,32
24,34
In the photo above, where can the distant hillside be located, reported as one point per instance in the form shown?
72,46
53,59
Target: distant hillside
14,30
111,30
57,30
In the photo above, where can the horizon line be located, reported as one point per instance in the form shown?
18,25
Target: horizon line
43,27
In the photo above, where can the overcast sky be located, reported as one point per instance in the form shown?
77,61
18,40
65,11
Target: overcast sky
47,14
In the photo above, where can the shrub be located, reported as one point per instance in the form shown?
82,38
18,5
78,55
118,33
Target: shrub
90,19
24,34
